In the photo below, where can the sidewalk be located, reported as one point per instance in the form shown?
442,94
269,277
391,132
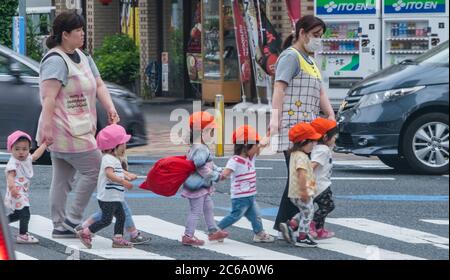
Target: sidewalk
157,116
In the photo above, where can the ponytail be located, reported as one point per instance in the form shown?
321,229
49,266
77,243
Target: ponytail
288,42
52,41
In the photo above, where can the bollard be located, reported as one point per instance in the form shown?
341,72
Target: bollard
220,121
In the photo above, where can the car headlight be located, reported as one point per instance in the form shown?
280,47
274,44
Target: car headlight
385,96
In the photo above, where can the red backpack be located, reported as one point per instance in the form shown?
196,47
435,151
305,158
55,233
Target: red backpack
168,174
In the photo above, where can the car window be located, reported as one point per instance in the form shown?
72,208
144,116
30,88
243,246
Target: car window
24,70
4,65
437,55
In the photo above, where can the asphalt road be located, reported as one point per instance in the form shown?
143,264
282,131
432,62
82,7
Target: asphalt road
379,215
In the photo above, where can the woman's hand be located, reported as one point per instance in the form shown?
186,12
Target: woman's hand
47,133
113,117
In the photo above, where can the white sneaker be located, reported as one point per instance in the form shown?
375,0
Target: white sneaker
26,239
263,237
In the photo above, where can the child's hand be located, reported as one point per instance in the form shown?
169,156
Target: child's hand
13,190
127,184
265,141
131,177
305,198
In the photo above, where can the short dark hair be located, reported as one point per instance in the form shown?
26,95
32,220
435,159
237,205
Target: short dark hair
23,138
239,149
66,21
299,145
330,133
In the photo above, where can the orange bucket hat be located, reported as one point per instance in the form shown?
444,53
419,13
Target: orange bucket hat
246,134
303,131
322,125
202,120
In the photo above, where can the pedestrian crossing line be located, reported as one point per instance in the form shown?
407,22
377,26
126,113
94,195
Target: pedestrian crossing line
437,222
338,245
101,246
24,257
230,247
391,231
340,178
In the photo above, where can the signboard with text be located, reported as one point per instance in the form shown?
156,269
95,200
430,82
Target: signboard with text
414,6
346,7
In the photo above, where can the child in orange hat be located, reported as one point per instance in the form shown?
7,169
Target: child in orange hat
322,163
241,168
302,184
199,186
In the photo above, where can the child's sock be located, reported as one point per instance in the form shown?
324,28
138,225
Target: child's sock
302,235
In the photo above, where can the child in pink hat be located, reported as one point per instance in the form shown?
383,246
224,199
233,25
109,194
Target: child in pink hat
19,171
111,187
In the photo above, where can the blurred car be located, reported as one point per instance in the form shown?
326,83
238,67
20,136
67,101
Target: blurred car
400,114
20,104
6,245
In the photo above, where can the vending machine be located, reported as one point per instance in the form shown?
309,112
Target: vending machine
351,44
411,27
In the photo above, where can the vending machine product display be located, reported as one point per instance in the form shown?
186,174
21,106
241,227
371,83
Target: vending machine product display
411,27
351,44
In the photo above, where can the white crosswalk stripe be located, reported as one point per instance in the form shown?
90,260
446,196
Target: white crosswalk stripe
100,246
391,231
345,247
437,222
24,257
41,227
228,247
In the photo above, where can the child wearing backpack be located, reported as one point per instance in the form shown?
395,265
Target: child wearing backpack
199,186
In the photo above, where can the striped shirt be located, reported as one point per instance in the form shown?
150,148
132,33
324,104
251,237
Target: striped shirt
106,189
243,177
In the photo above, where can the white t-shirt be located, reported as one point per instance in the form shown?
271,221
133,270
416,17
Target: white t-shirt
243,178
323,156
106,189
24,173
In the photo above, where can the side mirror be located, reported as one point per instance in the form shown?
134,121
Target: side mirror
14,70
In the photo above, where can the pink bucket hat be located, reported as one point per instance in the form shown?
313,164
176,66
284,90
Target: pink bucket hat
13,137
111,136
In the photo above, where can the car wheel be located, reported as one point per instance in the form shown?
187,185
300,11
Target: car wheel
396,162
425,144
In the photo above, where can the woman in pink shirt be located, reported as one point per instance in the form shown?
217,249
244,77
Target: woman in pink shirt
69,87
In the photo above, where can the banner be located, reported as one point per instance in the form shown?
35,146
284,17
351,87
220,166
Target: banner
294,10
254,29
271,45
242,42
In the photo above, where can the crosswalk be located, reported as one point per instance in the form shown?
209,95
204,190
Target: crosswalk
245,249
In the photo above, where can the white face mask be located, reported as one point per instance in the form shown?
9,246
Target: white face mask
314,44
